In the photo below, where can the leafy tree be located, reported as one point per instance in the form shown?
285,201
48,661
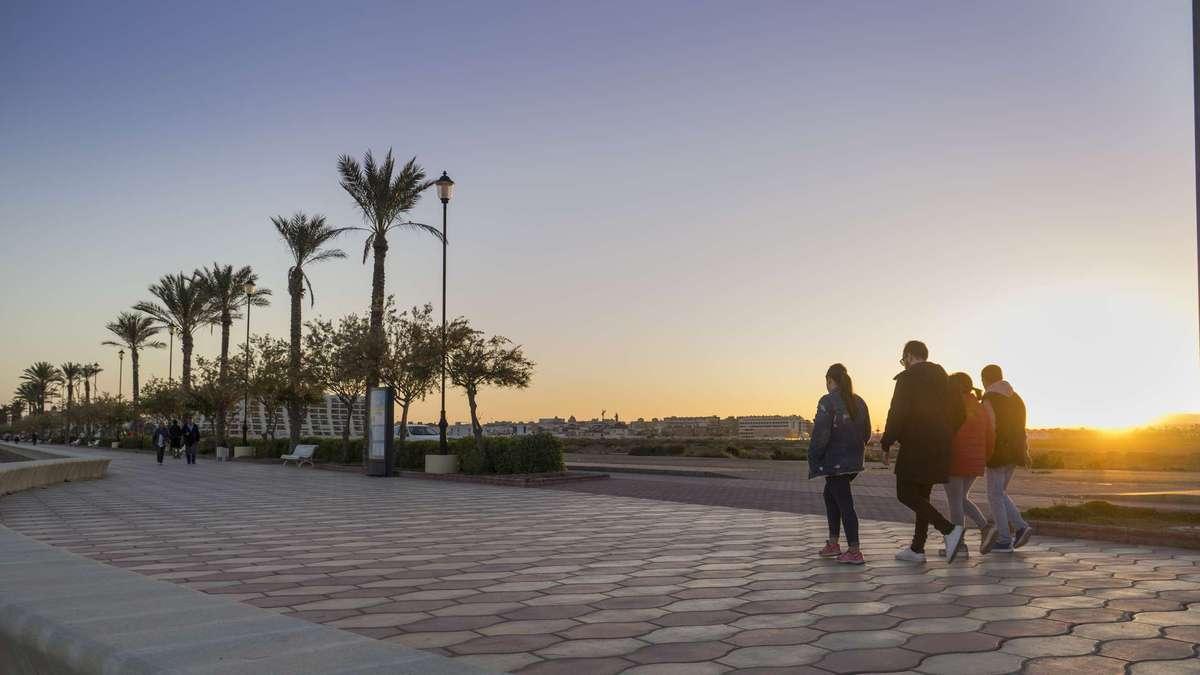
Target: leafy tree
185,306
383,196
113,413
337,362
209,395
268,378
162,400
226,291
411,359
306,239
134,332
41,382
475,361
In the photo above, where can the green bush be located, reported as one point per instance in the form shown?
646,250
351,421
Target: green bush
536,453
657,450
135,443
1049,460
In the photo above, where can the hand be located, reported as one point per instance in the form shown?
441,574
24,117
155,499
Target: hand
887,457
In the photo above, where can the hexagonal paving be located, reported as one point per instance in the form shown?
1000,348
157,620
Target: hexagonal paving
549,581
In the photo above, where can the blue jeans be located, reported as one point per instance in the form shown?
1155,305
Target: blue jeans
839,508
1004,511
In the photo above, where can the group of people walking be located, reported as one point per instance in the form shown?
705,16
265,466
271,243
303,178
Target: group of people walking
183,439
948,432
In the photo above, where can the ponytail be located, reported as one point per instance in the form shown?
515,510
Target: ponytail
837,373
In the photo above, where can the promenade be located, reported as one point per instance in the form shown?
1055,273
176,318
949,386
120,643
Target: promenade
564,581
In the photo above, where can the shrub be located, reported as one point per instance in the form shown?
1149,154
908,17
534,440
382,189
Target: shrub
536,453
135,443
1049,460
657,450
799,454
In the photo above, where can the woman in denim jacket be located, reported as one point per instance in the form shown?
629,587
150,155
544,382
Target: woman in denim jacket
841,430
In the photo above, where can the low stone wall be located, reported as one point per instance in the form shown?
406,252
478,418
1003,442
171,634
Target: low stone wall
46,467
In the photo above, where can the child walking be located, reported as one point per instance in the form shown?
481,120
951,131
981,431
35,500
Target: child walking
841,429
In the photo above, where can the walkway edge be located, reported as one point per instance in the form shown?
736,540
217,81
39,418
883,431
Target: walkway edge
62,613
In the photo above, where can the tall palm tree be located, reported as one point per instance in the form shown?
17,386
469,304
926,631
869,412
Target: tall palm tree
42,378
184,305
71,373
17,407
306,239
90,370
134,332
28,395
383,196
226,292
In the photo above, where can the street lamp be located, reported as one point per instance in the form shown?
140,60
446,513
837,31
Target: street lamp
171,353
120,372
96,378
249,288
445,188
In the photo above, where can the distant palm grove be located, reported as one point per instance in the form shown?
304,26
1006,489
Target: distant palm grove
387,345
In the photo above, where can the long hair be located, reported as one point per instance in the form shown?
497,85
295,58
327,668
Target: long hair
837,373
961,384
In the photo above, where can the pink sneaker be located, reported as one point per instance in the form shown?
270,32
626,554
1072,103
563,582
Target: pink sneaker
831,550
851,558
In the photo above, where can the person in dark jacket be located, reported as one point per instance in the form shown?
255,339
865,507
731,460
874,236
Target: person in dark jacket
1011,450
841,429
162,436
176,434
191,439
922,419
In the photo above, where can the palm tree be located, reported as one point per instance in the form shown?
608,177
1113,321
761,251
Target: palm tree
305,238
383,199
71,373
41,378
90,370
27,394
134,332
226,290
185,306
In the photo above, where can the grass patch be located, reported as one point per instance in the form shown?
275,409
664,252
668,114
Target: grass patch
1106,513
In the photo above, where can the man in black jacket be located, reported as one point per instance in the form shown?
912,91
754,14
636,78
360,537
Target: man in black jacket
191,438
922,419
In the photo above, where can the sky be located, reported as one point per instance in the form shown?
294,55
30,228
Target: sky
677,208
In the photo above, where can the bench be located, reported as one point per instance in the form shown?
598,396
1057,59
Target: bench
302,454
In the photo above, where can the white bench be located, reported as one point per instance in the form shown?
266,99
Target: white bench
302,454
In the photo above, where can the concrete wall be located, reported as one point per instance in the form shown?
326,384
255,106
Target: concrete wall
46,467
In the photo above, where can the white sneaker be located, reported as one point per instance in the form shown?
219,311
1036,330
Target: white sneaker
952,541
908,555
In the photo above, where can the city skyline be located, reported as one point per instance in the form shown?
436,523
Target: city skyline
787,188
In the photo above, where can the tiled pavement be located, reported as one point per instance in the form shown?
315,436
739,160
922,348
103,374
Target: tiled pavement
542,581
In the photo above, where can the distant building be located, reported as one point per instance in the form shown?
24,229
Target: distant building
773,426
323,420
690,427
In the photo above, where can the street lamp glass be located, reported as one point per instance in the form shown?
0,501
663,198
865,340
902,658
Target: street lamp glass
445,187
249,287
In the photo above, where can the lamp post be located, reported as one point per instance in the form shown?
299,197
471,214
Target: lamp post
171,353
445,188
120,372
96,378
249,288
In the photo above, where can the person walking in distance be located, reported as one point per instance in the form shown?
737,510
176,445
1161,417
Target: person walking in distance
175,432
841,429
972,443
191,438
162,436
1011,450
922,419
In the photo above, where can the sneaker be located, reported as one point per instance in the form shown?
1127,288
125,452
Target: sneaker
831,550
988,538
851,558
1022,536
1002,547
953,541
908,555
963,551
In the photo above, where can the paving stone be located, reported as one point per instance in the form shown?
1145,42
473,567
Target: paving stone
851,609
1075,665
1147,650
534,627
430,640
548,612
697,618
1058,645
774,636
1185,633
950,625
678,669
862,639
1025,628
504,644
773,656
840,623
378,620
689,634
1116,631
980,663
679,652
591,648
870,660
600,666
945,643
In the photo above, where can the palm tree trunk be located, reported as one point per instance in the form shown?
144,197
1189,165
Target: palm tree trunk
186,342
296,289
133,367
377,289
349,403
222,374
476,429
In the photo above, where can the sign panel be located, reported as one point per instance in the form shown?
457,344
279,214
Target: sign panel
380,403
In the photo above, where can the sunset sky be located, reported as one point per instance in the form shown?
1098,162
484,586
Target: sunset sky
678,208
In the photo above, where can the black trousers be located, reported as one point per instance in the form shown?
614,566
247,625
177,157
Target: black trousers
916,497
189,451
161,451
839,507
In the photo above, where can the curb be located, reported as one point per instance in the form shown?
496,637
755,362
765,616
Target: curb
512,481
692,473
1116,533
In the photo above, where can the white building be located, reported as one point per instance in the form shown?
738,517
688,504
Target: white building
773,426
325,419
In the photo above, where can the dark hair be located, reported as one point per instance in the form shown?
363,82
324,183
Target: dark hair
916,348
960,383
992,373
837,373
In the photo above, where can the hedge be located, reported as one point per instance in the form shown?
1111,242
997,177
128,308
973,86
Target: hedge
536,453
